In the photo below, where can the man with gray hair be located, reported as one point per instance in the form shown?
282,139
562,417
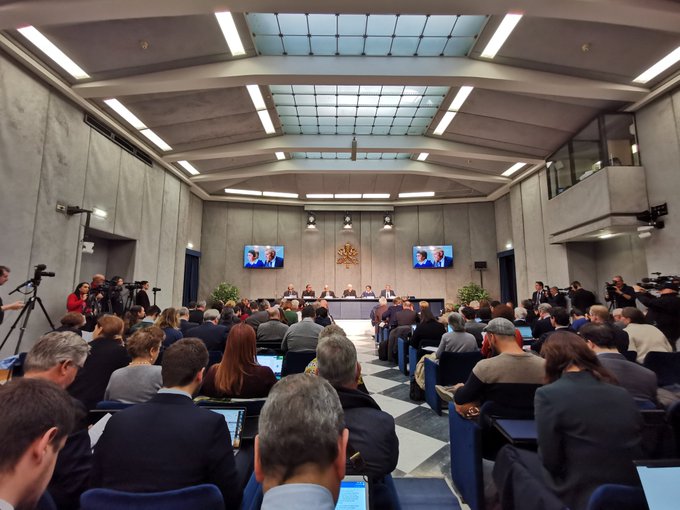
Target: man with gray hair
57,357
543,324
273,329
300,450
457,340
210,332
521,317
184,323
371,430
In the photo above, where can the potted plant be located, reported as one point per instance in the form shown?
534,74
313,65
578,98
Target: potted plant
225,292
471,292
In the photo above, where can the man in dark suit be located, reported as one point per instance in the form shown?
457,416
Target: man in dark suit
543,324
559,320
196,314
262,315
271,260
599,314
349,291
213,335
390,316
407,316
556,299
580,297
169,443
540,295
440,260
327,292
388,292
290,292
184,323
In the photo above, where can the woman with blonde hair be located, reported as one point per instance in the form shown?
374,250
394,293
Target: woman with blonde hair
168,321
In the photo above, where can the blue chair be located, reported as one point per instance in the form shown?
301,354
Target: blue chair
621,497
666,366
205,497
402,356
453,368
466,459
252,495
295,362
412,361
112,404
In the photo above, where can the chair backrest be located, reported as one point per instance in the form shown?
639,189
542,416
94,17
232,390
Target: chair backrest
630,355
657,434
666,365
673,417
205,497
112,404
214,357
455,367
295,362
621,497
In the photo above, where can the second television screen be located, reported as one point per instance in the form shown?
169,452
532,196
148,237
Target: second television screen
439,256
262,256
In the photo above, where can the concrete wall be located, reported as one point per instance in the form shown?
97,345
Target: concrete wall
384,256
49,155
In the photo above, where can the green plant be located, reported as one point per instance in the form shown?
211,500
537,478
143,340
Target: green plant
224,292
471,292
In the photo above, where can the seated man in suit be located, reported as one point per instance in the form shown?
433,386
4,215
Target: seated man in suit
273,329
271,260
210,332
349,291
36,418
599,314
169,443
196,314
184,323
543,324
260,316
308,292
301,470
290,292
388,292
327,292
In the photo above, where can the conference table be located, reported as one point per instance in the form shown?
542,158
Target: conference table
360,308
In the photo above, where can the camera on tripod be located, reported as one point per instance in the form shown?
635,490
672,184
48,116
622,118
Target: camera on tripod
658,281
40,272
133,286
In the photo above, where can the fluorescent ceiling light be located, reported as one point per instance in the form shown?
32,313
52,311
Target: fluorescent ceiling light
348,195
502,33
234,191
319,195
280,155
49,49
376,195
256,96
460,98
226,21
99,213
444,123
121,110
514,168
266,122
634,148
188,167
658,68
423,156
156,140
606,236
279,194
418,194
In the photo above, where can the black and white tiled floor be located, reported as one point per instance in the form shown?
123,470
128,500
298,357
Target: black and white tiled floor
423,435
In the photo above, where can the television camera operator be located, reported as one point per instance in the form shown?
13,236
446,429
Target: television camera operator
112,297
619,293
662,311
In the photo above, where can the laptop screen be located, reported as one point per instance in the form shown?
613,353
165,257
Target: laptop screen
660,483
353,494
272,361
235,418
525,331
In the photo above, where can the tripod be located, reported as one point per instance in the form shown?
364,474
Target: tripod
26,314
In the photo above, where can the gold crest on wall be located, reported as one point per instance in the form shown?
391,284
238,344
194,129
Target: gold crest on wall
347,255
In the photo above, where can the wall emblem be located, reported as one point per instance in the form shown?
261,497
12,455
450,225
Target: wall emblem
347,255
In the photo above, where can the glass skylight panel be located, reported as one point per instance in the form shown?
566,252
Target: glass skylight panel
348,155
366,109
362,34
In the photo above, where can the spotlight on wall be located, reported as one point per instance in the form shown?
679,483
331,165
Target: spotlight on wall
644,235
347,221
387,222
88,247
311,221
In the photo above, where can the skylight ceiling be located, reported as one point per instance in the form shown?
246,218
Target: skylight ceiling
348,155
358,110
364,34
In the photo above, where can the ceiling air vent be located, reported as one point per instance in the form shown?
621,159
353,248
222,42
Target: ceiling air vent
123,143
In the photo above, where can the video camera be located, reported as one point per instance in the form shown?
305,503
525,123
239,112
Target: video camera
40,272
657,281
133,286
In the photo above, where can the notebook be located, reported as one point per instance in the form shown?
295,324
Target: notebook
235,418
353,494
272,361
660,483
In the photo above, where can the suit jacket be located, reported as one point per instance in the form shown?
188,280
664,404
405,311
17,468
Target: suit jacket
539,297
257,318
393,293
196,316
448,262
390,316
541,326
308,293
346,293
327,293
142,299
558,300
277,262
640,382
583,299
406,317
185,326
291,294
302,336
588,435
106,356
214,336
166,444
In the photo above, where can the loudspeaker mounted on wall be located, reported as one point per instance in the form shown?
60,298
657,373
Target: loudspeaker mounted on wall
480,264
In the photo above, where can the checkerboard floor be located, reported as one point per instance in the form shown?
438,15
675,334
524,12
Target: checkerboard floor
423,435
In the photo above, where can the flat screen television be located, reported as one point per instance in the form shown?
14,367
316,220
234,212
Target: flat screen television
262,256
438,256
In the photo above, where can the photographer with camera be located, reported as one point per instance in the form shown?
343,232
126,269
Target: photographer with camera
663,311
620,294
142,298
17,305
113,298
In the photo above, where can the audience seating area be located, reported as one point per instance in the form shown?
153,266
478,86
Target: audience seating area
452,368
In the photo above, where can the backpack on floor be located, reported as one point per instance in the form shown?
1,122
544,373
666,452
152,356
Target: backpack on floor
415,392
382,350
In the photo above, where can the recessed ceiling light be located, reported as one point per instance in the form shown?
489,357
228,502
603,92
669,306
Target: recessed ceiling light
508,246
514,168
188,167
279,194
256,96
49,49
156,140
280,155
226,21
348,195
121,110
99,213
423,156
233,191
190,246
460,98
606,236
266,122
658,68
418,194
376,195
319,195
444,123
502,33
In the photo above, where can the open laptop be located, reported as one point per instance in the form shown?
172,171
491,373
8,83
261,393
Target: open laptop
526,332
235,418
353,494
273,361
660,483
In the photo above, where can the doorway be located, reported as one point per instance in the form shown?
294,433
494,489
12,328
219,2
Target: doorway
506,267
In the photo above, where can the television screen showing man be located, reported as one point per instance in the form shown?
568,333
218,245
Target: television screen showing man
262,257
432,256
